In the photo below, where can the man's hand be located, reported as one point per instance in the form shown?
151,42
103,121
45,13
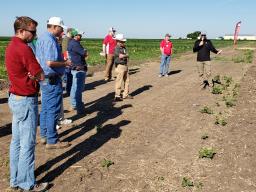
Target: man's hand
201,43
219,52
67,63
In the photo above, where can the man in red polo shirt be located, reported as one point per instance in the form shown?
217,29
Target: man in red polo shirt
166,51
24,72
109,44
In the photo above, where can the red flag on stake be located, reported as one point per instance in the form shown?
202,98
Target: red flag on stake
237,30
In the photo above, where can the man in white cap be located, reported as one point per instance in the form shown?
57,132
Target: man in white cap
121,62
108,47
203,47
48,53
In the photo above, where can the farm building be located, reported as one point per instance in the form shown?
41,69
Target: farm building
240,37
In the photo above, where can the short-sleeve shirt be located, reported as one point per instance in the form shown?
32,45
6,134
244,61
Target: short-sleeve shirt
110,44
167,46
20,61
48,49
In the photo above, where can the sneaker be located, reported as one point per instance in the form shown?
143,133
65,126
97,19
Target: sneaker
43,140
116,99
58,127
58,145
65,121
41,187
128,97
166,75
160,75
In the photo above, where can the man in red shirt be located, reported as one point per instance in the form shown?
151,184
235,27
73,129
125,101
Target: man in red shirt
166,51
24,72
108,48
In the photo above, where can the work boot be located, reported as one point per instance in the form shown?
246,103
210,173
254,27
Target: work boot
58,145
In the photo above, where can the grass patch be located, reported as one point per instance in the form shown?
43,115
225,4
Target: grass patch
218,89
207,152
220,121
106,163
186,182
206,110
245,57
230,101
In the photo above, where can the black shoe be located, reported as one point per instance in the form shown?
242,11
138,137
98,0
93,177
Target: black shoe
215,81
116,99
206,83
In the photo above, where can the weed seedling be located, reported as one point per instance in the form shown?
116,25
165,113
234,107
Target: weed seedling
220,121
187,182
218,89
207,153
205,136
207,110
106,163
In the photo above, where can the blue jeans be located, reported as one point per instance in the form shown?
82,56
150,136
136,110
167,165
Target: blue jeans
68,80
164,66
51,106
22,148
77,90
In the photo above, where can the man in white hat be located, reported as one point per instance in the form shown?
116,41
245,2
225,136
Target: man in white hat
121,63
203,47
108,47
50,58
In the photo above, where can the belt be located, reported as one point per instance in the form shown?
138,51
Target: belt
32,95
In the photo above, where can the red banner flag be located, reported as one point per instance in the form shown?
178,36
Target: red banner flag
237,30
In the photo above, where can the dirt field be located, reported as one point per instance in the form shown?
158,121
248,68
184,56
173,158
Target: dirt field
153,140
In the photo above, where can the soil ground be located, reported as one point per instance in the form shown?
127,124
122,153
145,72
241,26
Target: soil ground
154,139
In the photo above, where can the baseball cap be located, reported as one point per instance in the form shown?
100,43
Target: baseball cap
56,21
120,37
112,29
167,35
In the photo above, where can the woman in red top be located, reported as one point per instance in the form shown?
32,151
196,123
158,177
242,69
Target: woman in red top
166,51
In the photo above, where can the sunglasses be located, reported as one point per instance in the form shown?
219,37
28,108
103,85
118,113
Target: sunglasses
32,32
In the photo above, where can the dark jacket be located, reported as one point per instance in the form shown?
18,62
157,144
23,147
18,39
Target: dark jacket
77,53
117,60
203,52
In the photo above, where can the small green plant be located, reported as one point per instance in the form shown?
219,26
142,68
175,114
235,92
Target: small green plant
160,178
236,89
204,136
229,101
206,152
218,89
199,185
106,163
227,81
207,110
187,182
220,121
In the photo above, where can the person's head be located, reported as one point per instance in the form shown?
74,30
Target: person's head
111,31
203,36
69,30
55,26
167,37
120,40
76,34
25,28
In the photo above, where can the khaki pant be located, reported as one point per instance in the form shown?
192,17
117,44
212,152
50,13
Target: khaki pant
109,66
204,70
122,78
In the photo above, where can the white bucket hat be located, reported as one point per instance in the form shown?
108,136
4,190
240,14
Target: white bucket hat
112,29
120,37
56,21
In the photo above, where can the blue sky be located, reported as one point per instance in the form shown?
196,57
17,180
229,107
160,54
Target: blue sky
136,18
